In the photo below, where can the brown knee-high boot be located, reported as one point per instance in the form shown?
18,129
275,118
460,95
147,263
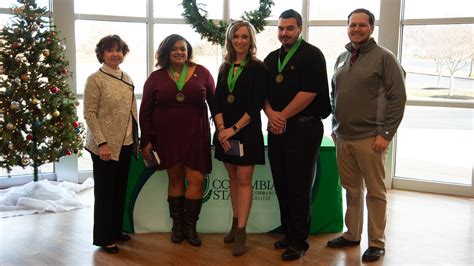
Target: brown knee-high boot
176,205
191,215
229,238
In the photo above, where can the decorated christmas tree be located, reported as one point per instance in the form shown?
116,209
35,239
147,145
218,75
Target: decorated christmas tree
38,119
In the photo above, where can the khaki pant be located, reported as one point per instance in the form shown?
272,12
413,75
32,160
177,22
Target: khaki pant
359,164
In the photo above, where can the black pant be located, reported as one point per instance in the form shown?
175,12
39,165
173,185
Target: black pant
293,156
110,179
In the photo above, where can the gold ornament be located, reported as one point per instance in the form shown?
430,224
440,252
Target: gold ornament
10,126
25,161
35,101
46,52
25,77
56,113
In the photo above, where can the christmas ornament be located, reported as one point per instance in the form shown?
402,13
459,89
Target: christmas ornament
45,52
16,45
29,137
10,126
56,113
65,71
35,101
25,161
54,89
75,124
25,77
14,105
68,152
36,124
19,58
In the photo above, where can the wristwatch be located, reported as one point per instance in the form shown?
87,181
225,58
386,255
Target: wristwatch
235,128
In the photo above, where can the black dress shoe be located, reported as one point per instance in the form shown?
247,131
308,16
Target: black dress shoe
292,253
281,244
112,249
341,242
373,254
124,237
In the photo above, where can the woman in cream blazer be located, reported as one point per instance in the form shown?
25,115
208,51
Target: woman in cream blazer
110,112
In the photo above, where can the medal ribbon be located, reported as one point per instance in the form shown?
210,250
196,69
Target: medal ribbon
289,55
184,72
231,78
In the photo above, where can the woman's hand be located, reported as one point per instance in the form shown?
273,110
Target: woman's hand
224,135
104,152
146,152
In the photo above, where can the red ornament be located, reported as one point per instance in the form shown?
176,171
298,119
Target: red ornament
65,71
75,124
54,89
29,137
16,45
53,33
68,152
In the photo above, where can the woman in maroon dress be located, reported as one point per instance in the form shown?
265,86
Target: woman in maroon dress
175,123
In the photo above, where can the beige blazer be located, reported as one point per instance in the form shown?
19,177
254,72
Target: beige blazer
109,106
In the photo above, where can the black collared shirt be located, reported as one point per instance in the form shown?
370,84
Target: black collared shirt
306,71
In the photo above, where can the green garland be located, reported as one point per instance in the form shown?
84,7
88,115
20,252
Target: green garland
215,33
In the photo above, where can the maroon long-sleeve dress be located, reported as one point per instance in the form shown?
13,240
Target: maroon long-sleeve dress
178,131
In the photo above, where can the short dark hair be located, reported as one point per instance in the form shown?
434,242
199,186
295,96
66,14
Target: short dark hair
107,43
163,54
363,10
290,13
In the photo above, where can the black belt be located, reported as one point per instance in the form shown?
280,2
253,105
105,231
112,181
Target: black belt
305,119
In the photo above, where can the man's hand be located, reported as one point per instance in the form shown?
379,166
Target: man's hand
276,122
380,144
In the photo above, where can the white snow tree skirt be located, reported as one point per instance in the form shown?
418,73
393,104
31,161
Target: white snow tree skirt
42,196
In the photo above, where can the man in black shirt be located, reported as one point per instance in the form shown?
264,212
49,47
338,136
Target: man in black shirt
297,100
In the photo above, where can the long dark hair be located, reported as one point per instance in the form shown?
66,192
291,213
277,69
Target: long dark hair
163,54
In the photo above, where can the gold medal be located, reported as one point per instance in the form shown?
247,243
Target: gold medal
230,98
279,78
180,97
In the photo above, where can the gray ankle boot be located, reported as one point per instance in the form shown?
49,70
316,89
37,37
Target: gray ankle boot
239,241
229,238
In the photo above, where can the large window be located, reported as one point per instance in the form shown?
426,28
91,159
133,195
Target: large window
436,137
